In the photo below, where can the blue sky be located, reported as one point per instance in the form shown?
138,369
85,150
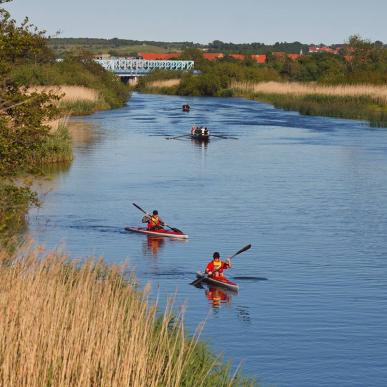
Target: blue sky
308,21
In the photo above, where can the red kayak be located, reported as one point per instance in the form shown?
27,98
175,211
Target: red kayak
162,232
221,281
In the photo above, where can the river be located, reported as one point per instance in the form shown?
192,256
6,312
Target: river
309,194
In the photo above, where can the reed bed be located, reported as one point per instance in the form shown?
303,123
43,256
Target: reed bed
70,93
362,102
76,100
164,83
377,93
66,323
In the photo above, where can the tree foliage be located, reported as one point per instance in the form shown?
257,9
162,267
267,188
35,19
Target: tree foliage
23,115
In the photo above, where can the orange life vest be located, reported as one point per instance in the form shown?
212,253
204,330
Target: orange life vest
154,221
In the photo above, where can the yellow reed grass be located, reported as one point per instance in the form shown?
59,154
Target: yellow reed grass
66,323
164,83
54,125
70,93
378,93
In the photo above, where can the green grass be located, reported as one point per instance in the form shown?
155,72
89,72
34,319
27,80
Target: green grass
56,149
14,204
82,107
353,107
75,73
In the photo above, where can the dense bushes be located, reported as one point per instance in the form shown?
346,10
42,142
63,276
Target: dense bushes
362,62
213,78
77,71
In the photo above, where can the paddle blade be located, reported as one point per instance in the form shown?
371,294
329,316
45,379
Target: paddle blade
241,250
174,229
197,282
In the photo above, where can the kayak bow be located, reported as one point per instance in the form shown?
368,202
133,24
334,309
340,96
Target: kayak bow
223,282
161,232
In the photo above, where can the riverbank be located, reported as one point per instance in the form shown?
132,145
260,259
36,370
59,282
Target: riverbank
362,102
76,100
82,322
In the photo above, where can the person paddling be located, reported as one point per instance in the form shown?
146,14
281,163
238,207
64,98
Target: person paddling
154,221
216,267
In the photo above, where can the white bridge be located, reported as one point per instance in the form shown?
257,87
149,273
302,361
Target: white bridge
133,68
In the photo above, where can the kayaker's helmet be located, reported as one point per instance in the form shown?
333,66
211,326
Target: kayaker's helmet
216,255
155,212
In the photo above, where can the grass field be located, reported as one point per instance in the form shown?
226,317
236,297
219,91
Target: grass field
98,49
363,102
377,93
66,323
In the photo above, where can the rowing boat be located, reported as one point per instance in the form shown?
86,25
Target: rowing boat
200,137
161,232
222,282
200,133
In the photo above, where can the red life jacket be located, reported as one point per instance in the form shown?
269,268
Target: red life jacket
153,222
217,269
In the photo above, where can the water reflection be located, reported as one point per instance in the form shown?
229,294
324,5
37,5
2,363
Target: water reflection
218,296
84,135
152,245
200,144
48,180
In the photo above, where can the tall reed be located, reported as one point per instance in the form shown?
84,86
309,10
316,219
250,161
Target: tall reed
365,102
164,83
378,93
66,323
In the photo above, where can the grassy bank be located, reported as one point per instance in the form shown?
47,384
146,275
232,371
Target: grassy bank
364,102
86,87
15,195
66,323
76,100
36,90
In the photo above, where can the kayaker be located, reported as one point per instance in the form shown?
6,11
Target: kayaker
216,267
154,221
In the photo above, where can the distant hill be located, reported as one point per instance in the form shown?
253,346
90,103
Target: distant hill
127,47
115,46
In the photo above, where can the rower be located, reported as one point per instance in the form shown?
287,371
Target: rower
154,221
216,267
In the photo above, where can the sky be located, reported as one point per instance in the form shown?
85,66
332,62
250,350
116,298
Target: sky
202,21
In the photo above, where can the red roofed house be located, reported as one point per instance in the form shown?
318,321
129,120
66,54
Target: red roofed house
237,56
293,56
278,54
213,55
159,56
261,58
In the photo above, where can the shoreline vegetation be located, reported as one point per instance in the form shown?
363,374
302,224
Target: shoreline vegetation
352,84
362,102
66,322
37,95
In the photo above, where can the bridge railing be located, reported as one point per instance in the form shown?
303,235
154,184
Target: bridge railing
138,67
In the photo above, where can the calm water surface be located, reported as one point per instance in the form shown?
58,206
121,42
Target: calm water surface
310,195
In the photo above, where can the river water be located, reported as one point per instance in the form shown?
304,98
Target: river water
309,194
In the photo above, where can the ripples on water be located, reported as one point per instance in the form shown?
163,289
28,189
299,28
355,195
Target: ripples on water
309,193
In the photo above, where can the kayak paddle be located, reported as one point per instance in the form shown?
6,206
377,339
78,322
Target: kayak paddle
172,228
199,280
174,138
